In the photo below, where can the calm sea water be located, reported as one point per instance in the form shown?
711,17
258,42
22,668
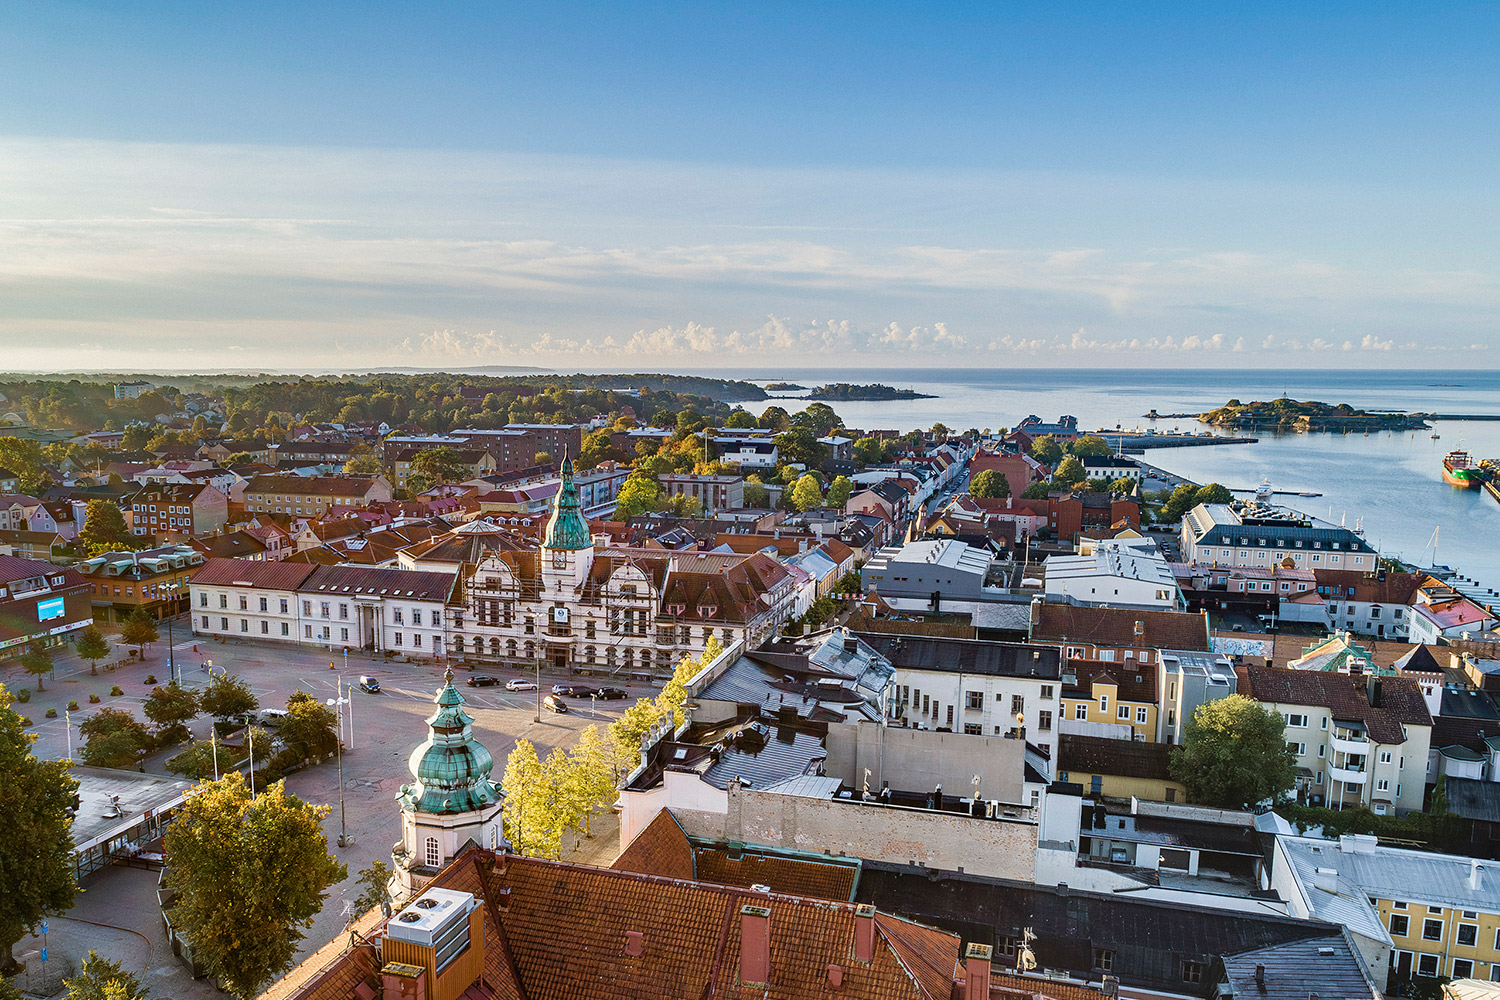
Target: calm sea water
1390,483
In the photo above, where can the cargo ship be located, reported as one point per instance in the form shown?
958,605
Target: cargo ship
1460,470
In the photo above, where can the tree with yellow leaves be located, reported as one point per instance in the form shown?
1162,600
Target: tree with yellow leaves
530,808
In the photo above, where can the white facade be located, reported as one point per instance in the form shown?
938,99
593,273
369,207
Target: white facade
981,704
1116,574
1234,535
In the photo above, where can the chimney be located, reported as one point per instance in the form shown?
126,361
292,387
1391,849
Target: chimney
1372,689
1110,986
635,943
835,977
755,946
864,933
977,972
400,981
1476,876
1326,879
1260,976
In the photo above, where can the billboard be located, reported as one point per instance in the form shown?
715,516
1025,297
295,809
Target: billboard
53,607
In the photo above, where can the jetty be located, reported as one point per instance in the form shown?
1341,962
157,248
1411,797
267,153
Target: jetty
1136,442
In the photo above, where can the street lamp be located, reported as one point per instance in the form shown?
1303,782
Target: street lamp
338,704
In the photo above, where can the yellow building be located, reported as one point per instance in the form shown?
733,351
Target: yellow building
1118,693
1118,769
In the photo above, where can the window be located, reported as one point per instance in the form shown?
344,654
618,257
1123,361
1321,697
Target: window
398,638
1104,704
1296,720
343,635
1081,711
973,699
244,603
1044,721
283,605
1400,924
205,621
1104,960
1300,749
1463,968
244,625
1008,946
323,607
1402,906
1434,909
1192,972
1046,696
1427,965
265,628
285,629
224,601
1322,750
973,729
1385,756
432,853
344,612
1382,785
1432,930
224,624
950,715
202,599
307,631
1017,704
1468,935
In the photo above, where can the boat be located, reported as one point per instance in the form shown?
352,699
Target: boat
1435,436
1460,470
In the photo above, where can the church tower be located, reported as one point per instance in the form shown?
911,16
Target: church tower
452,801
567,548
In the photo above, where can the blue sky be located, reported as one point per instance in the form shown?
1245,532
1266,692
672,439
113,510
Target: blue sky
188,185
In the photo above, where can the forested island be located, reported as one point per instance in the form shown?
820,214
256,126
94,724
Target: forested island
785,387
1304,416
848,392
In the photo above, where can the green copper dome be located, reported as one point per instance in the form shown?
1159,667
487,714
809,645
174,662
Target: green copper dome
452,768
567,529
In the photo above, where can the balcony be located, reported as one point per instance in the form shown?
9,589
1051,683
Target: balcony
1349,743
1348,775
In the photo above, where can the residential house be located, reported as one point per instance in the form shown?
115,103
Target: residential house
1110,699
1117,633
713,492
1020,471
9,482
132,390
1440,613
1111,467
748,453
1118,769
312,496
190,511
477,461
155,580
1186,679
1374,604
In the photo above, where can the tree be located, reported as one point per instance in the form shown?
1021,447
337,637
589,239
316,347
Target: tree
171,707
433,467
806,493
139,629
1213,493
366,464
1090,446
674,692
756,494
640,494
684,505
839,492
774,418
1070,472
92,647
95,977
628,732
1124,485
37,661
1036,491
542,458
530,817
1047,450
592,774
104,528
310,727
1181,501
598,447
989,484
940,431
1234,754
740,420
800,444
113,738
250,874
870,451
376,880
36,853
226,695
819,418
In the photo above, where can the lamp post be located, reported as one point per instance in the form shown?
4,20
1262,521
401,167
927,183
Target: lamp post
537,663
171,592
339,703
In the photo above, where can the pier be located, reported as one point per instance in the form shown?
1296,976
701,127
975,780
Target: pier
1135,443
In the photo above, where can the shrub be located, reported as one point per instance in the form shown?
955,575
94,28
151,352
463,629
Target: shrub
72,706
93,699
172,735
150,678
197,761
23,696
115,691
25,720
51,713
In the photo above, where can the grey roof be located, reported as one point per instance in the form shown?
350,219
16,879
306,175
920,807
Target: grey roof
786,753
970,656
1002,617
137,793
1322,967
1219,524
1467,703
1474,799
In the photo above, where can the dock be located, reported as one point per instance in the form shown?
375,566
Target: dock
1132,443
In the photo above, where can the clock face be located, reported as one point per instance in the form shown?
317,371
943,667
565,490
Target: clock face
559,560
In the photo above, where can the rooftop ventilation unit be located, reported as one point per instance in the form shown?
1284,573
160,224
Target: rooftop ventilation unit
439,919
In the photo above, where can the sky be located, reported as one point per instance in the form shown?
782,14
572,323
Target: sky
207,187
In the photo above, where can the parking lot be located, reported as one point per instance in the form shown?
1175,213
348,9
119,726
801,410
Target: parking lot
387,727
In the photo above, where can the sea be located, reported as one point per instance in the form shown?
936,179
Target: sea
1389,485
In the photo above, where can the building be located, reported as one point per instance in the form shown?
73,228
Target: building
132,390
1440,613
930,571
313,496
1118,769
40,604
714,492
1117,633
748,453
974,686
1121,573
452,801
1185,679
477,462
191,510
1359,740
1113,699
156,580
1111,467
1020,471
1375,604
120,813
1252,534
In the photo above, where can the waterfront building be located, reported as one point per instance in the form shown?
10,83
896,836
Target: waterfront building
1244,534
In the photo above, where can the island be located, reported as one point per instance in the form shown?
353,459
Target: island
847,392
1306,416
785,387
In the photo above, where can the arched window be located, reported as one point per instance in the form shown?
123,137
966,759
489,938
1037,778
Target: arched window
433,857
494,647
645,658
458,644
629,659
530,651
609,655
510,647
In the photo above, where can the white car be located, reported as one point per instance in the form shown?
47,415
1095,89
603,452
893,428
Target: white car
519,684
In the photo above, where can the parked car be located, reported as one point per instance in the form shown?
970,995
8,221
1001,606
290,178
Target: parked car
272,717
566,689
370,684
483,681
611,694
519,684
555,704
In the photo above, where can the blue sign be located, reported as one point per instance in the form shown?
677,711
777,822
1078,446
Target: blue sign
53,607
44,953
44,926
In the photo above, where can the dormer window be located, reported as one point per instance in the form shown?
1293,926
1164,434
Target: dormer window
707,610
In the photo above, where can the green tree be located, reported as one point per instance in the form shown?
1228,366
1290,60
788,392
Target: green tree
1124,485
36,853
226,696
592,774
542,458
434,467
806,493
640,494
674,692
37,661
774,418
250,874
1234,754
376,880
95,977
1090,446
1036,491
870,451
24,457
684,505
740,420
1047,450
531,821
628,732
598,447
104,528
310,727
113,738
92,647
820,419
800,444
989,484
1181,501
839,492
1213,493
139,629
171,708
1069,471
365,464
756,494
137,436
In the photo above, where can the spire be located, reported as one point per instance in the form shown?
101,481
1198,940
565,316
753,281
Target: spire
452,768
567,529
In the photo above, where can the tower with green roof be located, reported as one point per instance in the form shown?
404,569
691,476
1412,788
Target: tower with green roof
567,547
453,800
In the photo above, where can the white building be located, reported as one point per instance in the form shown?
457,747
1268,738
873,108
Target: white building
1241,534
1124,573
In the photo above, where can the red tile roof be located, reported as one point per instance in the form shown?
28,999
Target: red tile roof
1115,627
1398,700
660,849
267,575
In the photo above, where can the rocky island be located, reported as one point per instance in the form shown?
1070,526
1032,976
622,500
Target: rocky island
1305,416
848,392
785,387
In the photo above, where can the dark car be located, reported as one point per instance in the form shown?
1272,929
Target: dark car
483,681
568,690
555,704
611,694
